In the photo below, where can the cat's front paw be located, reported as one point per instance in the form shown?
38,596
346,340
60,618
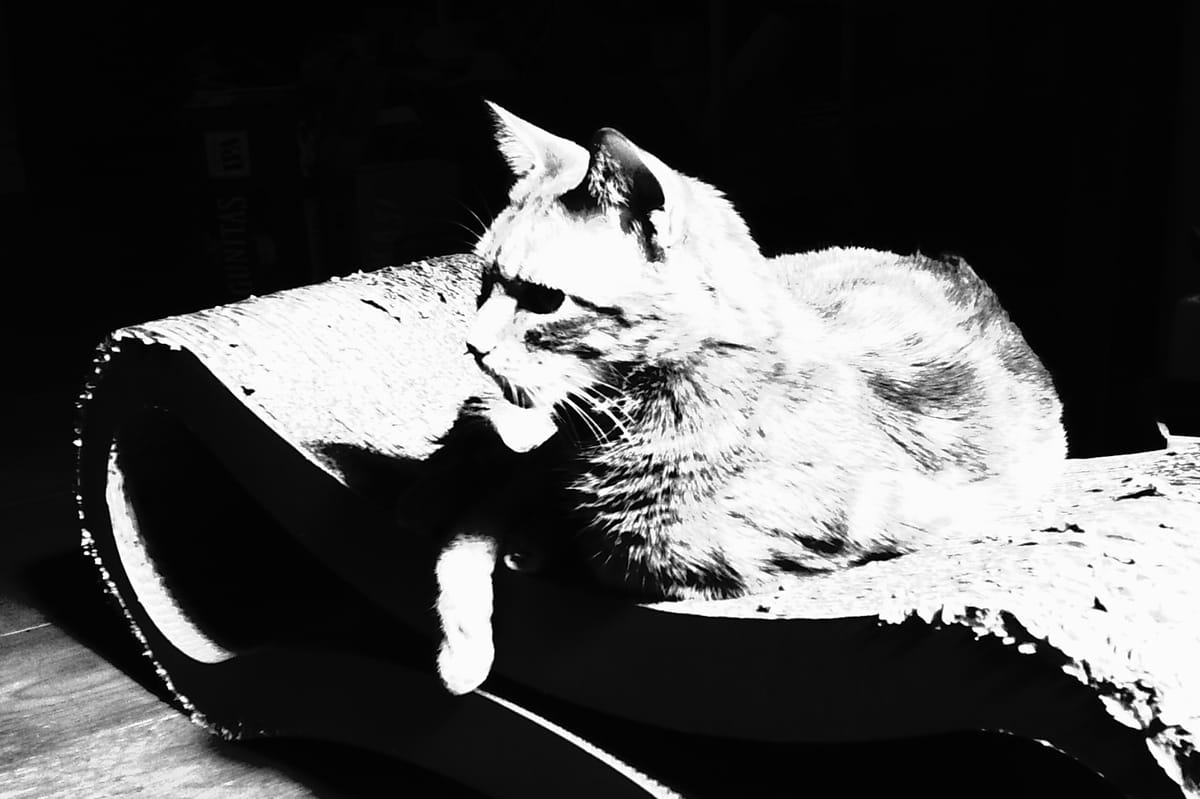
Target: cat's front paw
463,662
464,607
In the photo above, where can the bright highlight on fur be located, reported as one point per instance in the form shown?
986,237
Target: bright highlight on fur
715,421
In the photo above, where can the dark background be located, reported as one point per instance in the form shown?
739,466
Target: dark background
1056,151
160,159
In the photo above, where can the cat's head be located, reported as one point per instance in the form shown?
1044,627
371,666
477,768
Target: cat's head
605,262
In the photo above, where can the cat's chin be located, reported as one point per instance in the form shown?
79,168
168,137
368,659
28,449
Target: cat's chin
521,429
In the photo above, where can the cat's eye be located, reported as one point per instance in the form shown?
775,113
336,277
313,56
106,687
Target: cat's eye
537,299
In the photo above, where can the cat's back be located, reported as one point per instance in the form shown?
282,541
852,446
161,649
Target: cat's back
912,308
855,285
940,364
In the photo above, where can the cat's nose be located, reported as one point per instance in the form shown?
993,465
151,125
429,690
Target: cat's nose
491,320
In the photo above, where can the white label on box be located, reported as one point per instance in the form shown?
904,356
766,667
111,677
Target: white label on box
228,153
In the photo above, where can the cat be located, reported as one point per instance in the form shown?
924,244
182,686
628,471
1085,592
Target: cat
718,421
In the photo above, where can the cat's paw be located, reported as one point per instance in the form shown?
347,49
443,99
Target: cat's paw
464,607
464,663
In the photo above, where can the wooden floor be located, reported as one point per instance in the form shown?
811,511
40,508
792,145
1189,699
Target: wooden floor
80,711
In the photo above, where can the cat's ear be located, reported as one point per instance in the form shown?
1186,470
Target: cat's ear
528,149
622,175
618,174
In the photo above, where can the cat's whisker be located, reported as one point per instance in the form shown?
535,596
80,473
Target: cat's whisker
482,225
474,236
615,420
567,414
619,405
486,208
617,398
584,403
465,228
593,427
471,239
589,407
597,431
608,408
569,411
605,384
559,416
610,416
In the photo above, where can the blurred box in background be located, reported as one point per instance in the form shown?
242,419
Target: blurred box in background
389,191
254,204
403,210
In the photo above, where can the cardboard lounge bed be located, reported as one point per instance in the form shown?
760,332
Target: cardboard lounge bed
237,470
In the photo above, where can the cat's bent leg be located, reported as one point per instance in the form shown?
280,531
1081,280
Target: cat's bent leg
464,606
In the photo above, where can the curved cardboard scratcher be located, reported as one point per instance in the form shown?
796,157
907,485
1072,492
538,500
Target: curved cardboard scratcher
236,472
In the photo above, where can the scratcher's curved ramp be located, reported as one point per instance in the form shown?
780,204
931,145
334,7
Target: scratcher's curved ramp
236,470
